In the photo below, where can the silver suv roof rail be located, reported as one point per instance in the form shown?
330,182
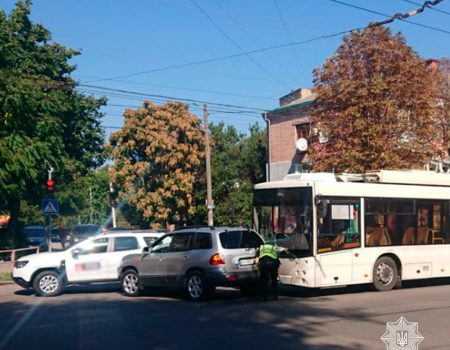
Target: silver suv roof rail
194,227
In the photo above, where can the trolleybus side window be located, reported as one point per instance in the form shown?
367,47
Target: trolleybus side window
387,220
432,225
391,221
338,224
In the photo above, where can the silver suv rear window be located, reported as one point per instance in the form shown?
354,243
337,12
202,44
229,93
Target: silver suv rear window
240,239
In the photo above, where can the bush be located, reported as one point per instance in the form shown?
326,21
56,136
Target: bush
7,243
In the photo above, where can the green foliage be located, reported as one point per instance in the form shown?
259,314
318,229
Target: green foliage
30,214
85,200
44,121
238,163
375,103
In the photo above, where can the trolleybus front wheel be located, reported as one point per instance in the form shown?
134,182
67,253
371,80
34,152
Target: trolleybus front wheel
385,274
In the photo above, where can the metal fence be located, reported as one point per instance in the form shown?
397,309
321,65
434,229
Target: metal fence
11,255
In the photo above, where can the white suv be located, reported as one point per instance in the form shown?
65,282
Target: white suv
94,260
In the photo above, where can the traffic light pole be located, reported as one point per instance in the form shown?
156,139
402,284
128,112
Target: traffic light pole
50,184
113,209
49,232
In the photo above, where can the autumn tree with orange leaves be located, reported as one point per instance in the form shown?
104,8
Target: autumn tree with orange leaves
375,103
441,79
158,157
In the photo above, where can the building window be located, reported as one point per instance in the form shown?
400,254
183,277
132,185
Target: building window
303,130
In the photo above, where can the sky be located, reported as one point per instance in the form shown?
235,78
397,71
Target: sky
156,49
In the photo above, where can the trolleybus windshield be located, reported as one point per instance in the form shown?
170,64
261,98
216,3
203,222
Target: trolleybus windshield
284,215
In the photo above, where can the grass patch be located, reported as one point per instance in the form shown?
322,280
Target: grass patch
5,276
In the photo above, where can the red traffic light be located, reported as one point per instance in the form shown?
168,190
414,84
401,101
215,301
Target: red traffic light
50,185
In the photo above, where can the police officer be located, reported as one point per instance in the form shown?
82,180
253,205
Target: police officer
268,263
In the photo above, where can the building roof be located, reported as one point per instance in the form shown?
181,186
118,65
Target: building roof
296,103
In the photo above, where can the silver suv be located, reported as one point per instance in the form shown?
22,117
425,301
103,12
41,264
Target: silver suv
197,260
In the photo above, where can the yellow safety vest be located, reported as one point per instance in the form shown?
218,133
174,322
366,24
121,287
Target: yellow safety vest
268,250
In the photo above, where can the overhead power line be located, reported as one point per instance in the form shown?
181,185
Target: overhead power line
232,116
400,16
164,86
283,22
431,8
227,57
281,46
101,89
260,66
250,36
237,24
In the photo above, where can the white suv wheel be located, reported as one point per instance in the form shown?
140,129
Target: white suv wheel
48,284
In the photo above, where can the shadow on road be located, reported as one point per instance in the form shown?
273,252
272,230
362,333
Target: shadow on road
84,319
98,316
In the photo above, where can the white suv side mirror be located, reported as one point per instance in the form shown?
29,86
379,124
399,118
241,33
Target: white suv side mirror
76,252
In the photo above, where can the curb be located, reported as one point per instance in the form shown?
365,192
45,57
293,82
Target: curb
5,283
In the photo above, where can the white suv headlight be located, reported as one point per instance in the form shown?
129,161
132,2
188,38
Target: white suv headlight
20,264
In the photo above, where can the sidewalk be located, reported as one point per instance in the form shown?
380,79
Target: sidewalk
6,267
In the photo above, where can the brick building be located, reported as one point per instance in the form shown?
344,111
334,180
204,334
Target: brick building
288,132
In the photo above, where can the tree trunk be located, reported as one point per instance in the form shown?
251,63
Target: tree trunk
14,212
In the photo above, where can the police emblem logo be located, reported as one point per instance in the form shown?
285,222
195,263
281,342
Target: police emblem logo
402,335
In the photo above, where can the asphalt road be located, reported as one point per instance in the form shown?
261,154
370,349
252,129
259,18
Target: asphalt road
99,317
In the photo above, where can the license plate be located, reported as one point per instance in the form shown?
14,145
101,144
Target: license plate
87,266
246,262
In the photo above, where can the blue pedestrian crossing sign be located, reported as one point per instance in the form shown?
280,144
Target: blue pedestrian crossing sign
50,206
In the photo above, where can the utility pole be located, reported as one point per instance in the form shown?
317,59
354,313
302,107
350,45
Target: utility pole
90,205
209,200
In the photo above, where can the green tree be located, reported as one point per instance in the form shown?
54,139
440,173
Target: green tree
85,200
44,121
158,161
238,162
254,155
225,161
375,104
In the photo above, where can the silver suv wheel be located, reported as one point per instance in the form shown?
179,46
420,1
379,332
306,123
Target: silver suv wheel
130,283
196,286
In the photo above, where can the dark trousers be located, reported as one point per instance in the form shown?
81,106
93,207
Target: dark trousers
268,272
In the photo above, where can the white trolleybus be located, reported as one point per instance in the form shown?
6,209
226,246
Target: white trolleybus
381,227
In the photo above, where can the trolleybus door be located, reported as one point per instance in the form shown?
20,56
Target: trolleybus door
334,268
